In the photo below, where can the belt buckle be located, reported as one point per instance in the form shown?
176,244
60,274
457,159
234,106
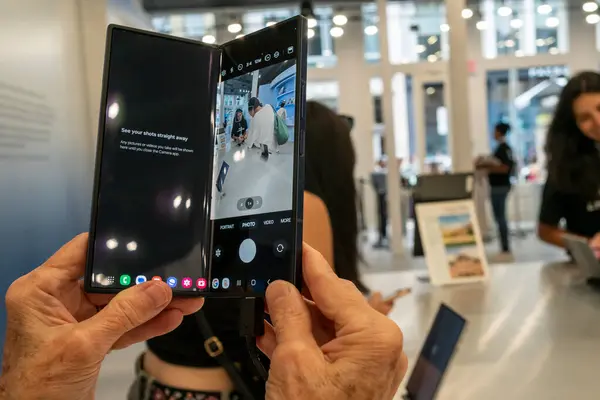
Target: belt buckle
213,346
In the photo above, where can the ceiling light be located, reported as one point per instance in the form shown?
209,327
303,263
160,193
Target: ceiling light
516,23
270,23
177,201
210,39
188,203
592,19
432,58
481,25
336,31
340,20
371,30
505,11
519,53
444,27
132,246
550,41
312,22
467,13
421,49
552,22
509,43
590,6
241,35
112,244
554,51
540,42
234,28
430,90
544,9
311,33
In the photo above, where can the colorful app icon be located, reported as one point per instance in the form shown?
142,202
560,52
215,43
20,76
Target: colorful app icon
215,283
186,283
201,283
157,278
172,282
226,283
125,280
140,279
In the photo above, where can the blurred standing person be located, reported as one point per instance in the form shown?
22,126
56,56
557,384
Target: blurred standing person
500,169
262,128
572,189
282,112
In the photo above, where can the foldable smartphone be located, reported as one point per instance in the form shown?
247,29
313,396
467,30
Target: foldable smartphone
200,163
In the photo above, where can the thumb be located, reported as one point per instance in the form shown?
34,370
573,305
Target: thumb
128,310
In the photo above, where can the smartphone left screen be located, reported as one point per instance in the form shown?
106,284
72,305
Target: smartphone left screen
150,217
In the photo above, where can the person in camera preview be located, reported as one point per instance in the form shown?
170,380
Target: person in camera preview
262,126
239,129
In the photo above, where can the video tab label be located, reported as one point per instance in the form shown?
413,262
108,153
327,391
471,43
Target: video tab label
249,224
269,222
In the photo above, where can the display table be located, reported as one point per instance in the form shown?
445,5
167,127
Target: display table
533,332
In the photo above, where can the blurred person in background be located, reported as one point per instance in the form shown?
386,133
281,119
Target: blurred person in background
571,192
239,129
500,168
282,112
178,360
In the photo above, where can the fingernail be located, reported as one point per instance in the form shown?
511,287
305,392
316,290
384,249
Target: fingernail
158,292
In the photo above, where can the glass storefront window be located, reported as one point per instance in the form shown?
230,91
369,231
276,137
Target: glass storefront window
370,25
523,28
321,45
525,98
255,20
437,157
417,32
194,26
325,92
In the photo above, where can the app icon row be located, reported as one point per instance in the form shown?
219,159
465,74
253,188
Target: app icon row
186,283
267,57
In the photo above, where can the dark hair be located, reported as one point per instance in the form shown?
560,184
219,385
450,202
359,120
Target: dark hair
572,159
502,128
282,104
253,103
330,163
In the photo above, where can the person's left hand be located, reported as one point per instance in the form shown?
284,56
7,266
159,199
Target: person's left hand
56,338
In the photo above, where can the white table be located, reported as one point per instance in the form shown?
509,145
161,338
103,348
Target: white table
533,332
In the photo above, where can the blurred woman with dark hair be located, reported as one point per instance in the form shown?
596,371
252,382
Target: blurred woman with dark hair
571,192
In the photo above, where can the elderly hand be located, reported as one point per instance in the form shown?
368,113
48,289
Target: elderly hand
595,245
337,347
56,338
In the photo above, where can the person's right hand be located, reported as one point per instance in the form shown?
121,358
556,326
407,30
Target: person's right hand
337,347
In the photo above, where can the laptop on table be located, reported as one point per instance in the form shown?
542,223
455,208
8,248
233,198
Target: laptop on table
440,345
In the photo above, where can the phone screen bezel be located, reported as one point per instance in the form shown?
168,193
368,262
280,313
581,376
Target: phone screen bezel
298,177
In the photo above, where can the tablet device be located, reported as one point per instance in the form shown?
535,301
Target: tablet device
157,210
436,354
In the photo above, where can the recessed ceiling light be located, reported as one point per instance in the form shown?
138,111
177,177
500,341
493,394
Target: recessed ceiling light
444,27
481,25
516,23
312,22
336,31
311,33
234,28
505,11
210,39
590,6
467,13
340,19
592,19
552,22
544,9
371,30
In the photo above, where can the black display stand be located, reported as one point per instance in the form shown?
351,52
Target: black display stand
437,188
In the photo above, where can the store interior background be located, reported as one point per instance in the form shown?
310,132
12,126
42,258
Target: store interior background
424,80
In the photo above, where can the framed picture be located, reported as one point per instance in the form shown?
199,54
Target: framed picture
452,240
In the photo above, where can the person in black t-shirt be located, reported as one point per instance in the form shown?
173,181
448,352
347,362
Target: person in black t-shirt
572,190
500,169
239,129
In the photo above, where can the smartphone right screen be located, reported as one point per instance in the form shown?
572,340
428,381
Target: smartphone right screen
253,174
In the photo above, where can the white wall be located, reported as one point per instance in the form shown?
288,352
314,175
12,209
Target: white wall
47,77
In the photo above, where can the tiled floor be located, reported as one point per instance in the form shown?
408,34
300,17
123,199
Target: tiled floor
117,370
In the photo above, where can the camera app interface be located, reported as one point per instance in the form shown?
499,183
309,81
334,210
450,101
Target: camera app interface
253,173
151,218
